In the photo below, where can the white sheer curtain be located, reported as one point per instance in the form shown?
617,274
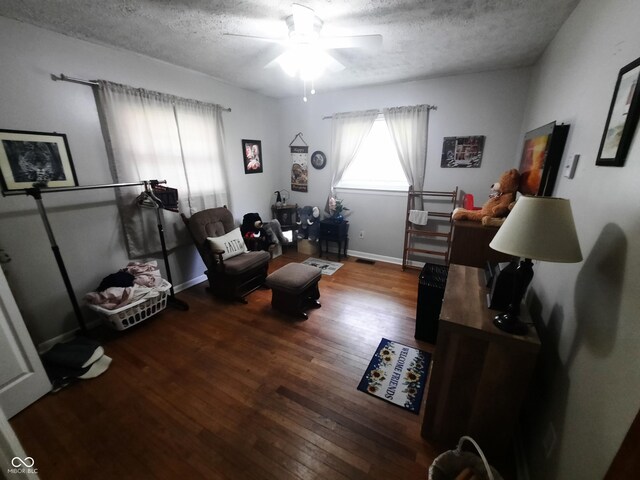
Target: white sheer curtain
202,138
155,136
348,132
409,128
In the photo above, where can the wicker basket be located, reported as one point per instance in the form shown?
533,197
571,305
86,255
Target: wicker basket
136,312
449,464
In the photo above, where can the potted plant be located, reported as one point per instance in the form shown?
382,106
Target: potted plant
337,209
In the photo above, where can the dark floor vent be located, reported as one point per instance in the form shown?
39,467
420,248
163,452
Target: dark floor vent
365,260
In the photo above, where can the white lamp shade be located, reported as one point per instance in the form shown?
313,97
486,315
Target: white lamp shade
540,228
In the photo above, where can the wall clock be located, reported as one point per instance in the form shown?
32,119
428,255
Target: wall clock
318,160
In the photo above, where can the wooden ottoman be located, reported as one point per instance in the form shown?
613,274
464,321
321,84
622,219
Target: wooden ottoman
294,288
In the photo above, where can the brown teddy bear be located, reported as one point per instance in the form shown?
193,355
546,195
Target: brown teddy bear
495,221
503,193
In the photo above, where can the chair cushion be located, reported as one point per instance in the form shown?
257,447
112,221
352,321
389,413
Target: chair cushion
242,263
231,243
294,278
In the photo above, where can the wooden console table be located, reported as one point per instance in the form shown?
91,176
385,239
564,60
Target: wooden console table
480,374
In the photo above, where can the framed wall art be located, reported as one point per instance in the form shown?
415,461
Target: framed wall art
252,154
541,155
622,118
462,152
35,158
318,160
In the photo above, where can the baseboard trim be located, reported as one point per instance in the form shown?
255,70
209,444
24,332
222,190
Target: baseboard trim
382,258
66,336
373,256
189,283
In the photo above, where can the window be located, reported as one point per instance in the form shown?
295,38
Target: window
376,166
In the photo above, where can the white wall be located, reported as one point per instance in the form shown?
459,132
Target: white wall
490,104
589,381
86,224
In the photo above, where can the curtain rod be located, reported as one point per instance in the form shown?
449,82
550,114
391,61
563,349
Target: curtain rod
91,83
430,107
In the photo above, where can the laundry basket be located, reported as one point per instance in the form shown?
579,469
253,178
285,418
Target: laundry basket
135,312
448,465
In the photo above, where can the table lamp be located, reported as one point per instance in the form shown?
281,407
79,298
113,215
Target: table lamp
538,228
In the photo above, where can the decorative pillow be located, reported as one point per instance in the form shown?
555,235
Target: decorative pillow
232,244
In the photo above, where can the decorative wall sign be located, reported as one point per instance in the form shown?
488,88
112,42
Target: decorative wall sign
299,168
622,119
462,152
541,155
299,164
28,158
318,160
252,153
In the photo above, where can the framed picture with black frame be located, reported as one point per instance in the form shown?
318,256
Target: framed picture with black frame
462,152
622,118
541,155
30,159
252,153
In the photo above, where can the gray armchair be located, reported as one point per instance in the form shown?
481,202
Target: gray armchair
234,277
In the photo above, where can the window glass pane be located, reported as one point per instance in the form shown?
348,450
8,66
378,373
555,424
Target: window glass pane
376,165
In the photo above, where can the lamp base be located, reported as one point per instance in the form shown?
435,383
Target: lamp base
510,323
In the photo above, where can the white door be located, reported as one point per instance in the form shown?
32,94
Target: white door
22,376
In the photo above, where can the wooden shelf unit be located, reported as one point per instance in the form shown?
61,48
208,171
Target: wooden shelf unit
470,245
428,197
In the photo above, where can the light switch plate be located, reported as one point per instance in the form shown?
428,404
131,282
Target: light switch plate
570,166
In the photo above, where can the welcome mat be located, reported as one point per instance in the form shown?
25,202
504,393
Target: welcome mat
327,267
397,374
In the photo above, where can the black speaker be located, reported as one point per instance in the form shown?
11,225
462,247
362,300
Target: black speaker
432,282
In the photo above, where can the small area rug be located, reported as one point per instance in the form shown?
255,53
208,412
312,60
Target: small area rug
397,374
327,267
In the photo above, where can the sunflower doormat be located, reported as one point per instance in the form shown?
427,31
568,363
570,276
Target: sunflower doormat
397,373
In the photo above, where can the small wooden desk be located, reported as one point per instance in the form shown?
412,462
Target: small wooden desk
480,374
334,232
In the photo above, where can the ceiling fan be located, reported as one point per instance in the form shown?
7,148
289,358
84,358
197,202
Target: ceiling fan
306,50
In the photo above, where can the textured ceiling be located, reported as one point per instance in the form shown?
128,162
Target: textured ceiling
421,39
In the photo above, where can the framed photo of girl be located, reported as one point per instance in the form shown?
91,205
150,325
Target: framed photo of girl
252,153
35,158
622,119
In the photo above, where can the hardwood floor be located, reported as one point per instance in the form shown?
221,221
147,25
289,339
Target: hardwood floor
237,391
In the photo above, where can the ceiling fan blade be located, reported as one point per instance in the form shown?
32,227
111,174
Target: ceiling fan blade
273,61
333,65
355,41
260,39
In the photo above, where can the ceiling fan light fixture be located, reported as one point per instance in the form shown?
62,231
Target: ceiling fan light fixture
306,55
311,70
307,61
303,24
289,62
